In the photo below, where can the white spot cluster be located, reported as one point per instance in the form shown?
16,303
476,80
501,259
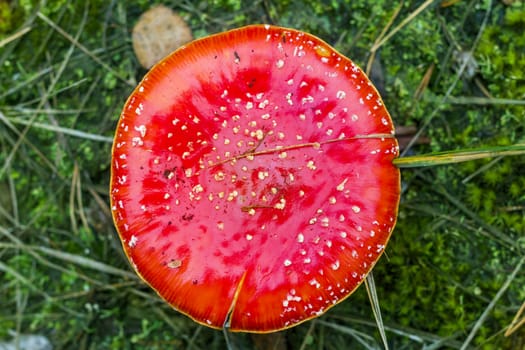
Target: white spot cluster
281,204
133,241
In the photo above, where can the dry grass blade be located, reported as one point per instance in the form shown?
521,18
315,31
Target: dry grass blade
400,26
72,192
21,137
14,201
516,321
75,42
43,100
75,202
374,48
459,74
25,281
424,82
15,36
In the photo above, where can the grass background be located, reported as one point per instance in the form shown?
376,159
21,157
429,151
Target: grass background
452,275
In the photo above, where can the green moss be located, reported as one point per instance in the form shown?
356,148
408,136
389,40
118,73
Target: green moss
501,53
5,18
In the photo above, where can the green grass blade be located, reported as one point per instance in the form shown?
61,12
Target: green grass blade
451,157
492,303
85,262
484,101
376,310
367,341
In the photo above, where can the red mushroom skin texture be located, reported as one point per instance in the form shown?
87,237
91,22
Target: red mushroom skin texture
252,182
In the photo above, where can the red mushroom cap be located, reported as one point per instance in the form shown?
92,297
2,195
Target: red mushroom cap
252,180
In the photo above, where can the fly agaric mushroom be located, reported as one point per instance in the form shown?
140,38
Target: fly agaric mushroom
252,182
